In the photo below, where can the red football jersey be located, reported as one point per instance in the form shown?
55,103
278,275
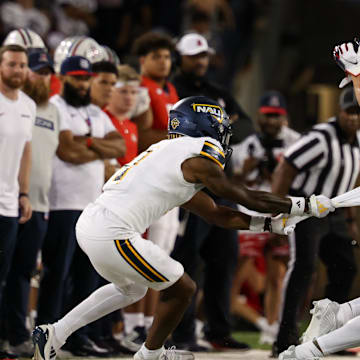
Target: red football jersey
129,132
161,101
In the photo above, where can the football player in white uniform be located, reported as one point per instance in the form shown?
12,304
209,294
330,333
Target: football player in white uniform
169,173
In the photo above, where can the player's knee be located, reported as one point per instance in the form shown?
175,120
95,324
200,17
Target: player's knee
134,291
189,287
183,290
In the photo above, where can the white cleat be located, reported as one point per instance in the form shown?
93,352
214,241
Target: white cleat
323,319
169,354
42,337
290,354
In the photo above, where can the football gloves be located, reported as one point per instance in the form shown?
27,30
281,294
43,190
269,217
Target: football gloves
347,56
317,205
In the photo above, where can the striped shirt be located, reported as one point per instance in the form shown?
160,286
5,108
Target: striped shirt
327,164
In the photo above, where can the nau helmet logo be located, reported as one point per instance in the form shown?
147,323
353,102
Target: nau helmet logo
215,110
174,123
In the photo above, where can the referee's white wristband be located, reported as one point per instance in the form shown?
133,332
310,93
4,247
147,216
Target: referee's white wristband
298,205
260,224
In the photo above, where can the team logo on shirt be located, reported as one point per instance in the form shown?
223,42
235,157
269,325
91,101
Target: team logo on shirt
44,123
174,123
214,110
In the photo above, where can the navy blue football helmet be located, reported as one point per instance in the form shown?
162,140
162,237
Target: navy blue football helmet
199,116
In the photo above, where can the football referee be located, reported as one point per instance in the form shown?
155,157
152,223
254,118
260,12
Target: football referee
326,161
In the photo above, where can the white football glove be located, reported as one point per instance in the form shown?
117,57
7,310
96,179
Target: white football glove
347,56
320,206
282,224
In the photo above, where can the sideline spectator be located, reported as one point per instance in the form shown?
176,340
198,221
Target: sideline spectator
18,115
31,234
198,238
191,79
24,14
122,100
87,137
154,52
254,161
102,84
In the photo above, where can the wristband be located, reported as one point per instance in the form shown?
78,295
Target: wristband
89,142
23,194
298,205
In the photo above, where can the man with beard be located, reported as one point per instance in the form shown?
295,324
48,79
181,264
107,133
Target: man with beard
87,137
17,114
31,234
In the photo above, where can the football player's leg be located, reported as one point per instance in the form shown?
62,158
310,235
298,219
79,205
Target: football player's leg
328,315
345,337
49,338
101,302
172,304
162,233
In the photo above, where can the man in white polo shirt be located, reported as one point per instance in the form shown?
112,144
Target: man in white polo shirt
31,235
17,115
87,137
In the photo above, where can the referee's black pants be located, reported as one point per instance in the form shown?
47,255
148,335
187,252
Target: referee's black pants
329,239
218,248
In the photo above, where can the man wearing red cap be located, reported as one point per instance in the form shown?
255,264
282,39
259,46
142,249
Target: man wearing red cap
87,137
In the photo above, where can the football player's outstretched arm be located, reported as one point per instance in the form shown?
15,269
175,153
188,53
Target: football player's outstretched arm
204,206
202,170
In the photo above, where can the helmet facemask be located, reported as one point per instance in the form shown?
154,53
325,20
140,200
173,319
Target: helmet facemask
224,132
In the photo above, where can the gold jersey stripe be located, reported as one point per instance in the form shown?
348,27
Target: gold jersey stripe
212,158
215,148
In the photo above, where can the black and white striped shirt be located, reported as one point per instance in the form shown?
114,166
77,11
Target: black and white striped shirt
326,162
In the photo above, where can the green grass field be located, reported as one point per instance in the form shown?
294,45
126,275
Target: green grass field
251,338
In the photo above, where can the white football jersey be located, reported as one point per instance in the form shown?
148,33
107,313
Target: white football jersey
146,188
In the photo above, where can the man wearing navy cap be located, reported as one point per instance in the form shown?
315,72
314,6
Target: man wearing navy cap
32,233
87,137
254,161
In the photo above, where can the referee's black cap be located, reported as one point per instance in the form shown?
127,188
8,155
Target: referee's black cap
348,98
